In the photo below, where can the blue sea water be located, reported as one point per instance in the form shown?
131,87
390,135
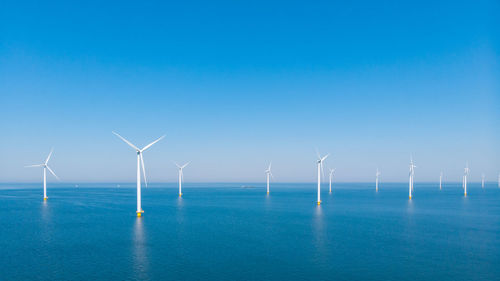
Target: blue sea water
226,232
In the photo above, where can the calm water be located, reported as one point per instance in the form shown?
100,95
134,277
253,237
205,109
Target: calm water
225,232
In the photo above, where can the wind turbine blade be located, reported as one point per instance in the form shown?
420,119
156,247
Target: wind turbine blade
185,165
149,145
177,165
31,166
144,171
270,163
323,159
126,141
322,170
52,172
271,175
317,154
182,176
48,157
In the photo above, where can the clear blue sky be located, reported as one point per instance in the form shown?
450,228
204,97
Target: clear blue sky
236,84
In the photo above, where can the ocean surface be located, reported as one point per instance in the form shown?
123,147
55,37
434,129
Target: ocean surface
237,232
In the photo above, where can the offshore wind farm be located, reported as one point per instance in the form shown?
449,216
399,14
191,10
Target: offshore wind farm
319,140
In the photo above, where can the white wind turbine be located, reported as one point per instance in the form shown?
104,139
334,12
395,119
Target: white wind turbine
412,174
377,174
181,176
440,180
45,168
482,180
332,171
320,171
268,174
466,172
140,162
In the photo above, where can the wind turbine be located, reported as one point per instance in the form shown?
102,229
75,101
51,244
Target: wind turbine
140,162
331,177
482,180
320,171
45,168
466,172
412,174
440,180
268,173
376,180
181,176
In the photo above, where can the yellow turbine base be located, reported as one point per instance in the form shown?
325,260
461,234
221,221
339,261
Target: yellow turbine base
268,192
465,194
180,194
319,202
410,197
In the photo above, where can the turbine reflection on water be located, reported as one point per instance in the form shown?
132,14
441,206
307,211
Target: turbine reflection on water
141,263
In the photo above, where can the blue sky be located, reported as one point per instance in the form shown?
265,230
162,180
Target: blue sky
237,84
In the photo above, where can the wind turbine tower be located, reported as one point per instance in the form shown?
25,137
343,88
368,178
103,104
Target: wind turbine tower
332,171
377,174
441,181
412,175
466,172
181,176
268,174
320,171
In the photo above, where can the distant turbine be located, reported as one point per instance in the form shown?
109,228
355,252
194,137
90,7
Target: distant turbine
412,175
331,177
482,180
466,172
440,180
181,176
45,168
268,174
376,180
320,171
140,162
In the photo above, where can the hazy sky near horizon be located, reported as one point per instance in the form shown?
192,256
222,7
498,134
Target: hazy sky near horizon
235,84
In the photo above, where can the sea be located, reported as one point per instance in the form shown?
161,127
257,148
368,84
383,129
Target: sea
235,231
